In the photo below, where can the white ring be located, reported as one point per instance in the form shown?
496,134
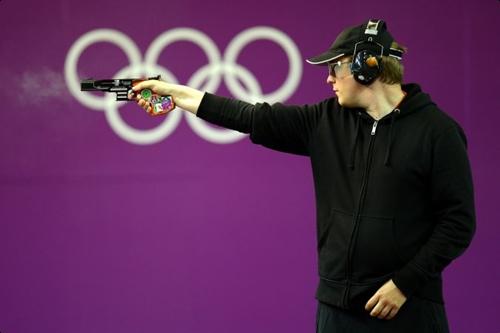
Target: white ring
191,35
247,36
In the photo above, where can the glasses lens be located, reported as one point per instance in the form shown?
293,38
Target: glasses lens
331,69
335,69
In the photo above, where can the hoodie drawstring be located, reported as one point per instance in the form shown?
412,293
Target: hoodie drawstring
354,142
389,144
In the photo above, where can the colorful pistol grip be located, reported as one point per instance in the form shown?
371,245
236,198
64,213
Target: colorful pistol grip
160,104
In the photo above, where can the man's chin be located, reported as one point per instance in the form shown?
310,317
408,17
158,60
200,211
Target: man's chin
343,103
347,104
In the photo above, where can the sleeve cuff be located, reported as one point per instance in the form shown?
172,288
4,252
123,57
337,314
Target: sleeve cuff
209,107
409,279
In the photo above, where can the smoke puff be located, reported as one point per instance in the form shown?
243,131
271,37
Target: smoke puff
42,86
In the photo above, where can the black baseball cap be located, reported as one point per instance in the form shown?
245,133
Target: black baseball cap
344,44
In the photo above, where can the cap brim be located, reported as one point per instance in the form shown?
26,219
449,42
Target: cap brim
324,58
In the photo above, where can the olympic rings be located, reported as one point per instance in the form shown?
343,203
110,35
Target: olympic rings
210,76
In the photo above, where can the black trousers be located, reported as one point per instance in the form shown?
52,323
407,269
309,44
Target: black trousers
416,315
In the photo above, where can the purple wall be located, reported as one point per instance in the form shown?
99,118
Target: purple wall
179,234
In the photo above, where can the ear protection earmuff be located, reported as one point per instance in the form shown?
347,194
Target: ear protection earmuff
366,66
367,56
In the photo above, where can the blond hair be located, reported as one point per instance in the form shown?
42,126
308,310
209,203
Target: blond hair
393,70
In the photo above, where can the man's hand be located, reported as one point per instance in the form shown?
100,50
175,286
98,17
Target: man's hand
157,87
386,302
187,98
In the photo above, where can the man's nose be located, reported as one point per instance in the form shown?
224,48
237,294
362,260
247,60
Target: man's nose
330,79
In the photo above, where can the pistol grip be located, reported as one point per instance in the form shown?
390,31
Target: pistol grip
160,104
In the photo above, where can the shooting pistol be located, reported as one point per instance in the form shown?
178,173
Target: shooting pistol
123,87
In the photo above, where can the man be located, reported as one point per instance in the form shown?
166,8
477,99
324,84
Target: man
392,179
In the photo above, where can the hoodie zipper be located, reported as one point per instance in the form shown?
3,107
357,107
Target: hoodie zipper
357,215
374,128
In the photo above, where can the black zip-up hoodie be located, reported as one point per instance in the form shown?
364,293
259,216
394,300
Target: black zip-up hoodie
394,197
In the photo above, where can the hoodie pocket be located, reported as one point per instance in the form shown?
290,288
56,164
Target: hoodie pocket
375,247
333,245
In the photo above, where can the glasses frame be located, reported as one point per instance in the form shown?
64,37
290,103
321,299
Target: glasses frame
333,65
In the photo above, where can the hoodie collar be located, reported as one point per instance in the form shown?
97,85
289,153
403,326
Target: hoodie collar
413,101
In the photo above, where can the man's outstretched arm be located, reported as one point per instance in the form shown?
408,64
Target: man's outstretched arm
286,128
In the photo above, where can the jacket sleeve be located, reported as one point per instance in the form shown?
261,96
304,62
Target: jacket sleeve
286,128
453,209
